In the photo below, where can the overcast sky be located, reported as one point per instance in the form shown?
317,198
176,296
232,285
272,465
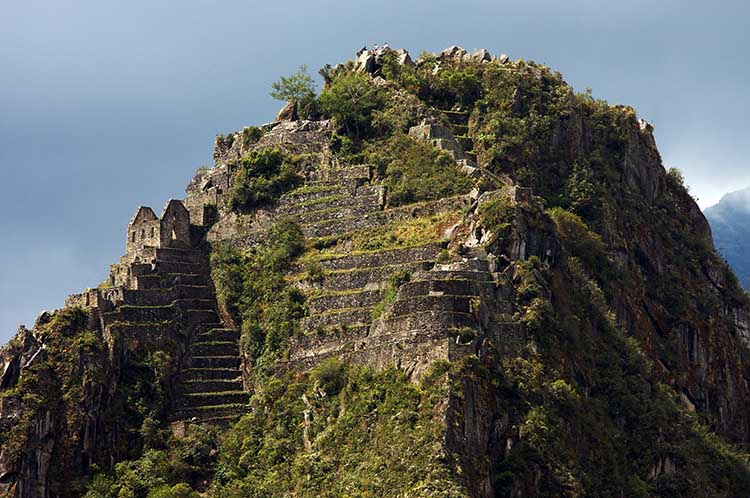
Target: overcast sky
107,105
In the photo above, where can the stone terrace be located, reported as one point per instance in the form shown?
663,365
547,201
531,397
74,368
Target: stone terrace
334,201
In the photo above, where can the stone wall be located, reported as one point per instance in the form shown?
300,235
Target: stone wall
175,225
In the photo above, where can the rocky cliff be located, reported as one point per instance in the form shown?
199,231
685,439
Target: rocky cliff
445,277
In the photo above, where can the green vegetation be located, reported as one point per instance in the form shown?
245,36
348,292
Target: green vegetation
250,285
580,241
408,232
389,295
498,215
264,175
298,88
251,134
340,430
173,469
57,387
351,99
414,171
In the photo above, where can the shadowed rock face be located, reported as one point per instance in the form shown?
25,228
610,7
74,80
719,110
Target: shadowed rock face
730,223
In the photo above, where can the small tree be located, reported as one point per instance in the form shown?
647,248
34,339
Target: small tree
351,98
298,88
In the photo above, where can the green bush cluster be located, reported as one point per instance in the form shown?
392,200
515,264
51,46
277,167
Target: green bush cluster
298,88
580,241
340,430
581,385
498,215
351,98
389,294
262,177
250,285
414,171
454,85
174,469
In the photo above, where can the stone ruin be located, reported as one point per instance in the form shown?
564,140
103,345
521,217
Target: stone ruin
145,234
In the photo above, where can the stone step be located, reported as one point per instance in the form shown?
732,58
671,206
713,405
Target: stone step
451,287
349,329
308,193
200,374
351,184
181,267
326,342
217,385
379,218
381,258
136,314
474,264
174,255
368,278
456,117
357,203
138,329
215,348
218,333
426,320
164,296
433,274
196,303
466,143
214,398
339,300
415,304
215,362
196,310
199,316
335,213
168,280
211,412
459,130
341,317
358,172
206,326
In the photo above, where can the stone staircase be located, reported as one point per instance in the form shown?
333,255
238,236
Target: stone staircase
354,284
174,290
441,313
212,387
334,201
337,199
458,123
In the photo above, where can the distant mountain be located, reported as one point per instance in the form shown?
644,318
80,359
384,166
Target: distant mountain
730,223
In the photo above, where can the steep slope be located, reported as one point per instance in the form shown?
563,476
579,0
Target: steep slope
455,277
730,224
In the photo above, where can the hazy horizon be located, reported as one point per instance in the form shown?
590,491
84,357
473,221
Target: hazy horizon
105,108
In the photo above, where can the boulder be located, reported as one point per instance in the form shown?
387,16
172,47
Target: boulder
404,58
288,112
365,63
453,52
481,55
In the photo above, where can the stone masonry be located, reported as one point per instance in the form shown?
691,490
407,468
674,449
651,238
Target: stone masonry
433,314
162,286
